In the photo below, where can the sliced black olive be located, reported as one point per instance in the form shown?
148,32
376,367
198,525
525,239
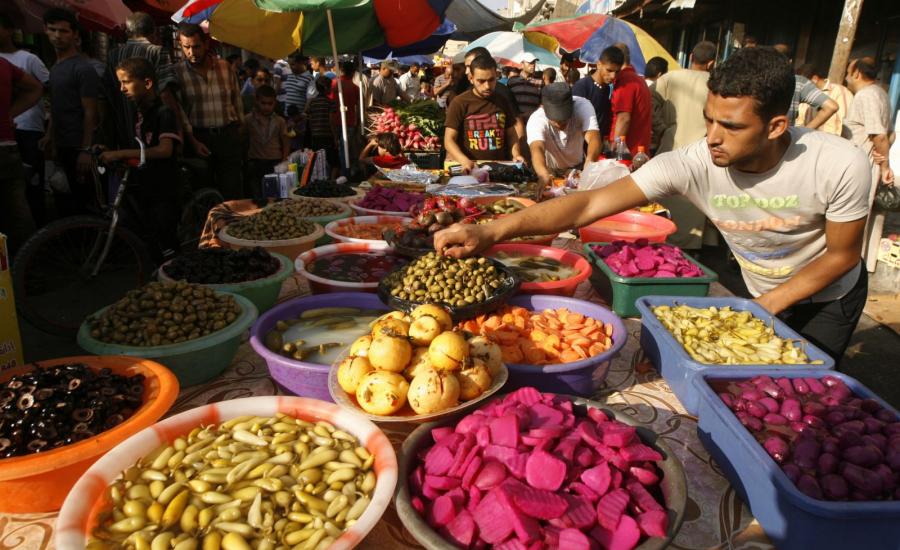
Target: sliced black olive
136,389
83,415
43,394
74,384
4,443
26,401
113,420
81,427
15,384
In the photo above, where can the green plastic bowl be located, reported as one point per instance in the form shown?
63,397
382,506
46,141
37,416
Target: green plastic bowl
346,212
193,362
262,292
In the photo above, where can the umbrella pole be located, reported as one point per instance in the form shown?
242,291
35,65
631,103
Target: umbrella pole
362,98
343,109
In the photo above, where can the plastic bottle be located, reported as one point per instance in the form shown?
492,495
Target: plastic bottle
622,152
639,159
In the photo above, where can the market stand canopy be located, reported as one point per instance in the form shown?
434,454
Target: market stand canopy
97,15
474,20
510,48
275,28
591,34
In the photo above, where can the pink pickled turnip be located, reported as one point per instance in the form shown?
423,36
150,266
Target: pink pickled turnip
597,478
654,523
535,502
493,518
545,471
462,529
573,539
611,507
626,535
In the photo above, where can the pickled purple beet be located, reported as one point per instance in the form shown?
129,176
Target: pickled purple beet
815,386
814,408
834,487
800,386
864,480
775,419
799,427
888,477
772,390
777,448
873,425
891,429
770,403
849,439
806,453
835,417
752,395
871,406
886,416
863,455
757,410
728,399
761,379
809,486
792,471
790,409
856,426
785,385
830,444
877,440
813,421
831,381
827,463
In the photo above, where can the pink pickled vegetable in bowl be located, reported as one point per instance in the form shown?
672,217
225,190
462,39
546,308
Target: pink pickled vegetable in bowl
532,468
645,259
388,200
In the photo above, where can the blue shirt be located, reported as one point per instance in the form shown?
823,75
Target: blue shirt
599,96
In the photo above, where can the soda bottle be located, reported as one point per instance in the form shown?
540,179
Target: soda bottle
622,152
640,158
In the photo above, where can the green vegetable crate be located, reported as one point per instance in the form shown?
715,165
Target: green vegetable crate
621,292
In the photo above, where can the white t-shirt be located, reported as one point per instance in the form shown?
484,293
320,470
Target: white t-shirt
33,118
409,83
774,222
565,147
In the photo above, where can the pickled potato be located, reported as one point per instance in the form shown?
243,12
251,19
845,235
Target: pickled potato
382,392
432,391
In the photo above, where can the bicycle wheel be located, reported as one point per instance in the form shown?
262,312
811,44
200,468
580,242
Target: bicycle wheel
52,273
193,216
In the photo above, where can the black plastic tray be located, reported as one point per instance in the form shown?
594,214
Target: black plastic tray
389,235
459,313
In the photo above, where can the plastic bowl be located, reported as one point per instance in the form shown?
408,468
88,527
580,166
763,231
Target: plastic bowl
406,414
89,496
563,287
578,377
321,285
360,193
333,229
287,247
40,482
194,361
544,240
630,225
673,486
300,377
262,292
363,211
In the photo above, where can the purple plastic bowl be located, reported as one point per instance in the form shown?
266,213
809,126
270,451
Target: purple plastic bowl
299,377
576,378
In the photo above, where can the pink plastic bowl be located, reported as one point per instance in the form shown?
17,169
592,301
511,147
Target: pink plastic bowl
334,229
321,285
564,287
630,226
89,497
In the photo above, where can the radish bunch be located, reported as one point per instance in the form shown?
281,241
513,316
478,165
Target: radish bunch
410,135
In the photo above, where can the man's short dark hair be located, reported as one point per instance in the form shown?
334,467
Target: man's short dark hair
298,57
323,85
266,91
809,70
62,15
550,74
704,52
867,67
613,55
138,68
348,68
483,62
190,30
6,22
656,67
760,73
478,51
139,24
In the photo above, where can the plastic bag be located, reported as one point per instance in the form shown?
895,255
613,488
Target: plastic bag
410,173
598,175
888,198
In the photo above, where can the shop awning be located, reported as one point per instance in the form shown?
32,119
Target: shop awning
474,20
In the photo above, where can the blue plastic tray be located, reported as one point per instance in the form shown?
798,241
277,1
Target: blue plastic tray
791,519
678,368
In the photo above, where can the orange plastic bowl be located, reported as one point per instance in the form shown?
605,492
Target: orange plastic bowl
40,482
563,287
630,226
545,240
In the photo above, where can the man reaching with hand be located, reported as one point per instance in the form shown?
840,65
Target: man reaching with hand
791,203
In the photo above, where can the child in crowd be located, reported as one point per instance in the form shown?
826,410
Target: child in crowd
318,117
268,137
425,91
261,77
152,191
382,150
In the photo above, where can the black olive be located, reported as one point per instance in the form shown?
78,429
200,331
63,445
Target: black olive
113,420
80,427
82,415
43,394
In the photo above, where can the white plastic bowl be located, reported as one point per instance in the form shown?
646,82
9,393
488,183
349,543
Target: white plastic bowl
333,228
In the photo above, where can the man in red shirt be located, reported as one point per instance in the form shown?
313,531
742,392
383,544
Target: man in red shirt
632,107
19,92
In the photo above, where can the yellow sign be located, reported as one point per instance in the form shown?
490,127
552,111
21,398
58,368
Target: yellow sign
10,342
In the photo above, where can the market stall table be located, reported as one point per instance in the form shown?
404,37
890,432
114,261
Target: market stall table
715,515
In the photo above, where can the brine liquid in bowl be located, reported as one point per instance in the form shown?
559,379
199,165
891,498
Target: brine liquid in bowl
536,269
356,267
321,340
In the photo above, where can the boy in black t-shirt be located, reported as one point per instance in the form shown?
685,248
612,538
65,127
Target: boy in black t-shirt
152,191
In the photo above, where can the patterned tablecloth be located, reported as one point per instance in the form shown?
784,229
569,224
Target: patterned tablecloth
715,517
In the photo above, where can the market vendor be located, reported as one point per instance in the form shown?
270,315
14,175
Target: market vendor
791,203
481,125
558,130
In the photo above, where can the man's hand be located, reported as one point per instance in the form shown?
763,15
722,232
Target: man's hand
519,158
84,165
462,240
199,147
887,175
467,166
107,157
768,304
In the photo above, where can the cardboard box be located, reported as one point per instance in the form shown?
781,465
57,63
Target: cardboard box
889,252
10,341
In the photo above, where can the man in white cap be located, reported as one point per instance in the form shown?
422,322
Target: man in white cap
525,88
558,131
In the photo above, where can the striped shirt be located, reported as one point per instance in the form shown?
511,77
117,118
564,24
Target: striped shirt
805,91
527,93
318,111
210,99
295,87
123,110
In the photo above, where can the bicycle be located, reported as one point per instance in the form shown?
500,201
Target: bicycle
74,263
